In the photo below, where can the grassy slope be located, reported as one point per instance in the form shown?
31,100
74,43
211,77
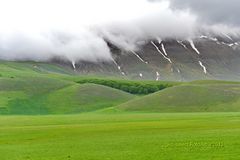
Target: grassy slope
85,98
121,137
189,98
27,95
40,88
49,96
24,69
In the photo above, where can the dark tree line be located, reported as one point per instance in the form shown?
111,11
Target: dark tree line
129,86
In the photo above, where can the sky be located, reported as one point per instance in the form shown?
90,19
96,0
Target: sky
212,11
77,29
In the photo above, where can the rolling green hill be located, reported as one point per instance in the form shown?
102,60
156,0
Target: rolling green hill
41,88
38,95
27,95
85,98
206,97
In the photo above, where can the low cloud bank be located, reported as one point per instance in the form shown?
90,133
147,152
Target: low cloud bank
77,30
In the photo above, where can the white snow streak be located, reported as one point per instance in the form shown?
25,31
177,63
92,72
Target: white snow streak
228,36
202,37
193,46
181,43
158,76
229,44
213,39
163,48
119,67
210,38
73,65
161,52
139,57
204,68
178,70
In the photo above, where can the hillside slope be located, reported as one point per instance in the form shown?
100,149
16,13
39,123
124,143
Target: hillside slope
41,95
189,98
85,98
28,69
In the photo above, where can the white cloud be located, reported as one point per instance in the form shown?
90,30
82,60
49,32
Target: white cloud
76,29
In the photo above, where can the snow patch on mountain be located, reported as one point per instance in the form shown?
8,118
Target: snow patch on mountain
193,46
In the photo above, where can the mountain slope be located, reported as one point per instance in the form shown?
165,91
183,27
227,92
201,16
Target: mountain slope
205,57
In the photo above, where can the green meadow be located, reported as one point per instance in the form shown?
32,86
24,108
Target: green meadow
48,112
145,136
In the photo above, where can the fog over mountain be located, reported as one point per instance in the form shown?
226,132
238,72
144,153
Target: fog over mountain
78,29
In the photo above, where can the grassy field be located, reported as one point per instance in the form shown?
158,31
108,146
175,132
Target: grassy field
145,136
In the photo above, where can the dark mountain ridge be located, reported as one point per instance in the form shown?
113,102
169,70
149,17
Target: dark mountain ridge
204,57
